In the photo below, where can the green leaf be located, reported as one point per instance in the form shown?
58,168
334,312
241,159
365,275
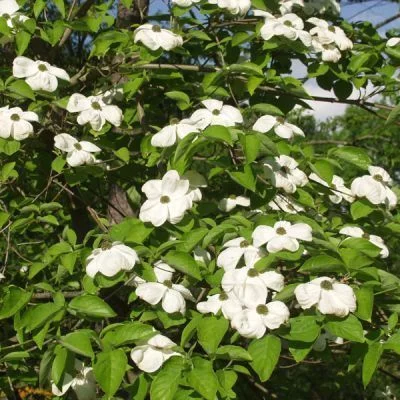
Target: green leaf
203,379
130,230
210,332
178,96
323,263
59,365
166,382
304,328
109,370
349,328
370,362
393,115
251,147
342,89
247,68
13,301
361,208
22,40
230,352
269,109
245,178
183,262
21,88
38,315
218,132
60,6
265,353
130,332
92,306
78,342
365,302
58,164
353,155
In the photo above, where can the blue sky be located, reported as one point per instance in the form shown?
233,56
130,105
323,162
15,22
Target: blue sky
374,11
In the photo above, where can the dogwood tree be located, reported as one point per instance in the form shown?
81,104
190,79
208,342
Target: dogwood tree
167,231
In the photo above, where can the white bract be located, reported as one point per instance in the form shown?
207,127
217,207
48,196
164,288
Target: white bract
329,296
216,113
196,181
233,6
283,173
282,236
320,343
94,110
8,10
229,203
172,296
234,250
329,52
201,255
338,189
39,75
110,259
184,3
16,124
289,25
83,383
226,302
329,34
150,356
78,153
170,134
393,42
250,286
253,322
286,6
356,232
282,128
375,187
155,37
285,204
167,199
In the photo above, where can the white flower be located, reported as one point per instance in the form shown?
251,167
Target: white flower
250,286
39,75
329,296
171,295
375,187
284,203
329,52
94,110
283,173
2,276
226,302
216,113
184,3
283,236
253,322
79,153
167,199
8,7
338,189
154,37
229,203
282,128
320,343
329,34
201,255
235,250
289,25
393,42
169,135
196,181
286,6
149,357
16,123
111,259
233,6
83,384
354,231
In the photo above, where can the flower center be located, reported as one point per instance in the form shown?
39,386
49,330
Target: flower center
365,235
262,309
106,245
216,112
252,272
327,285
156,28
232,196
244,243
331,29
168,284
6,16
378,178
174,121
288,23
285,169
281,120
164,199
223,297
78,146
15,117
281,231
42,67
96,105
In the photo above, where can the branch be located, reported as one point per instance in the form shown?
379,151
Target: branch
49,295
387,21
